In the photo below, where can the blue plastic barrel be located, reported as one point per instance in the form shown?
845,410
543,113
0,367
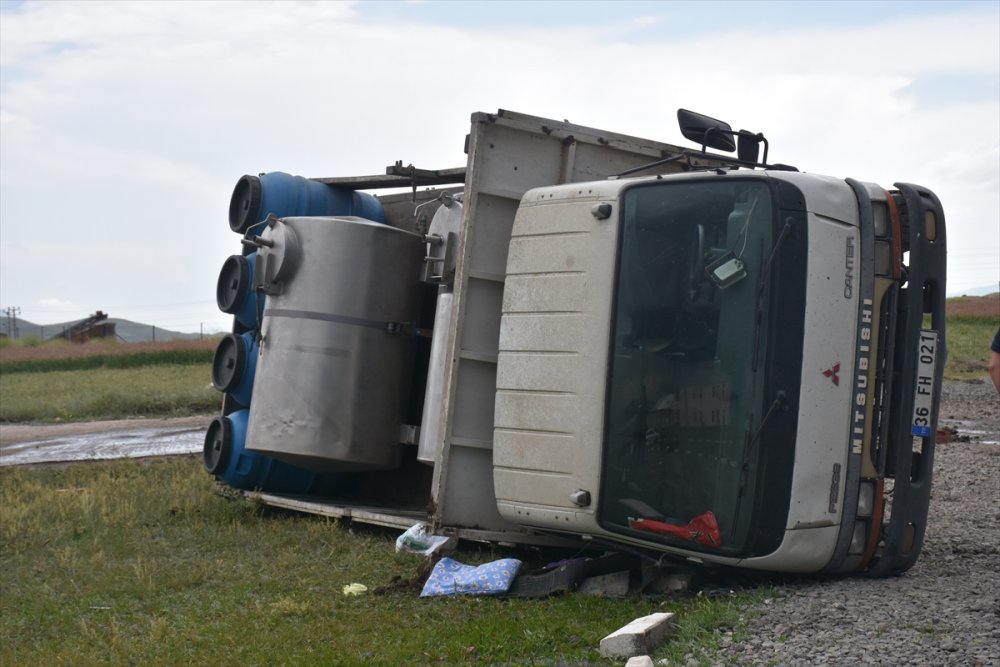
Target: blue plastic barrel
284,195
226,457
234,365
235,291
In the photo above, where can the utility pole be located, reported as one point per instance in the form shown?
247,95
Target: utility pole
12,312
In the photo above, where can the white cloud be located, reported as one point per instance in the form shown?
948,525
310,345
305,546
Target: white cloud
54,305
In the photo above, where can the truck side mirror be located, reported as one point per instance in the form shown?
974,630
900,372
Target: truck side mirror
709,132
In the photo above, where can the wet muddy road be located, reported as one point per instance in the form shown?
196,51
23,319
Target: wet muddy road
22,444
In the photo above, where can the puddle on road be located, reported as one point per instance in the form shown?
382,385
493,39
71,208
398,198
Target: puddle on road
128,443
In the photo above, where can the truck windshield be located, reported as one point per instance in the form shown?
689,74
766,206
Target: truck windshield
684,400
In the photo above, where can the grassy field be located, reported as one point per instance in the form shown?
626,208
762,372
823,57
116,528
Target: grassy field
108,393
130,562
969,338
105,380
972,322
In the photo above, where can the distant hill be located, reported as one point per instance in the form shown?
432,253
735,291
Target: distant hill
985,290
127,330
136,332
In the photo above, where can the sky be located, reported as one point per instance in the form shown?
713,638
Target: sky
125,125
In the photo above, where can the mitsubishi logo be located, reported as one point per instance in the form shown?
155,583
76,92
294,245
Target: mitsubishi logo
833,374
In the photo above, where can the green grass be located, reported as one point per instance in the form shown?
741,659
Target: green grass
130,562
27,341
107,393
969,340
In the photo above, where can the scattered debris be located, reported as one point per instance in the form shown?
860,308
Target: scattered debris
449,577
415,583
639,661
560,577
673,580
947,434
355,589
614,585
419,540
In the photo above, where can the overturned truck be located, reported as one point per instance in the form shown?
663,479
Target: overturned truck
587,337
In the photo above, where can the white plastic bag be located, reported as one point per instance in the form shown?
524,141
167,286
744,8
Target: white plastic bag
417,539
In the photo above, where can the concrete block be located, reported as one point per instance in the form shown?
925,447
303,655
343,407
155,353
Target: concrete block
614,585
639,661
667,579
639,637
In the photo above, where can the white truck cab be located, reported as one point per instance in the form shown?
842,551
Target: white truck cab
702,345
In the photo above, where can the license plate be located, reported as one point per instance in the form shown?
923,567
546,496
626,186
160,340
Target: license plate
923,395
